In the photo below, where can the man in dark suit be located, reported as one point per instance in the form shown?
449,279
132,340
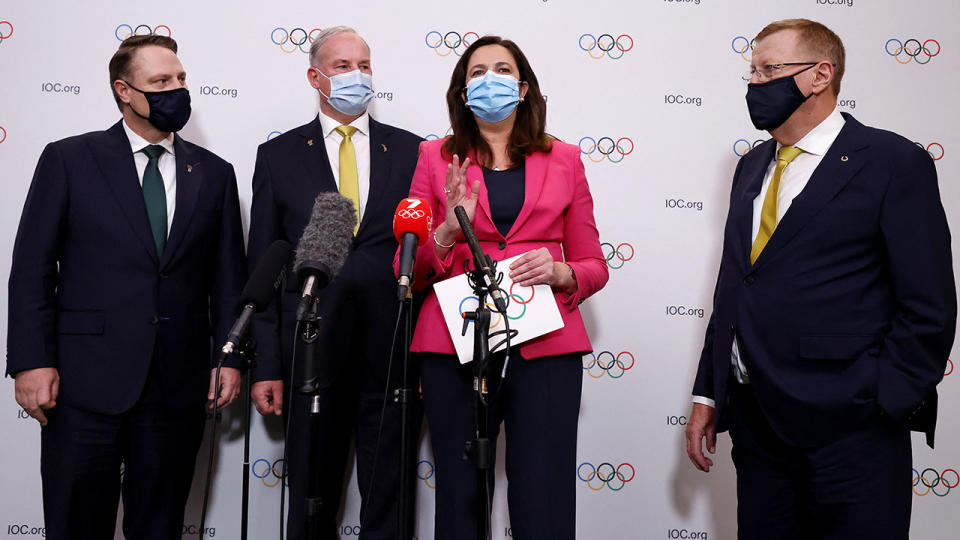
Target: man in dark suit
835,307
342,149
128,259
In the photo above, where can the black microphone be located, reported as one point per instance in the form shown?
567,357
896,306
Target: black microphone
259,290
481,260
323,245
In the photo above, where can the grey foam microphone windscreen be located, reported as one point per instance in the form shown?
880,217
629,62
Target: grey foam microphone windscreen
326,238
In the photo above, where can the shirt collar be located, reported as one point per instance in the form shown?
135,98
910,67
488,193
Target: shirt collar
819,139
329,125
138,143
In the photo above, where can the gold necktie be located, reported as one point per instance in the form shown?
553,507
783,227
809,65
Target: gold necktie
768,216
349,182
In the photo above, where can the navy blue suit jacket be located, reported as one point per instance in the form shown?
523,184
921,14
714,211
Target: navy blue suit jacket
359,307
90,296
850,310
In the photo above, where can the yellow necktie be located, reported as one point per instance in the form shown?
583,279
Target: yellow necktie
349,182
768,216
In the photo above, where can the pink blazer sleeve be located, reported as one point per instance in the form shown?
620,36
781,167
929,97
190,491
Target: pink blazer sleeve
581,240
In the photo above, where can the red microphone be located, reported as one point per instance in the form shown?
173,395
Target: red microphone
411,226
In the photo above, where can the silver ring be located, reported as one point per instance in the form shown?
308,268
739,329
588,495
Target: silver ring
447,191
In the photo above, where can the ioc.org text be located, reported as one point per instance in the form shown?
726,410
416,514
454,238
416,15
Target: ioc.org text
26,530
60,88
684,311
684,204
685,534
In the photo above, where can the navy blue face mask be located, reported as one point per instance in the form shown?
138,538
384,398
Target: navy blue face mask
169,109
771,103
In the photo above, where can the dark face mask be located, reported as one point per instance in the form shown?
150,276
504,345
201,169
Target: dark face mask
169,109
771,103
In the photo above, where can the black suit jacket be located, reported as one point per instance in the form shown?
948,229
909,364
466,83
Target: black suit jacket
359,307
90,296
851,305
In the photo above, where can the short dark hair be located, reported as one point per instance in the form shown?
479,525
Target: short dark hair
528,134
123,58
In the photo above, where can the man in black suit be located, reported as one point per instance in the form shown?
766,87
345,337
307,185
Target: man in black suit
835,307
342,149
128,259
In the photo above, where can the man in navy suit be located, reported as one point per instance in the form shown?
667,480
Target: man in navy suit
834,312
342,149
128,260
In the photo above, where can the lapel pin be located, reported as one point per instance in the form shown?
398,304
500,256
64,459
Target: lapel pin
310,142
384,147
189,168
844,158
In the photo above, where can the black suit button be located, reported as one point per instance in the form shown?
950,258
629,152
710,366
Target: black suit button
502,245
749,280
155,320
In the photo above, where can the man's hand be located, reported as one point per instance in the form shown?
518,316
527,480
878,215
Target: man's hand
268,397
36,390
229,386
700,425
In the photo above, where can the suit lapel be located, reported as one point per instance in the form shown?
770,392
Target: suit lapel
474,173
380,166
317,164
535,174
754,169
841,162
115,160
189,181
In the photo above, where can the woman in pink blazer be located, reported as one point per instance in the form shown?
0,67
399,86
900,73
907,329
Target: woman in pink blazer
525,192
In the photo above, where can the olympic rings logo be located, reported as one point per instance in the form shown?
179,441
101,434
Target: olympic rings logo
427,472
606,148
935,150
292,40
469,303
949,361
6,30
742,146
606,362
407,213
616,257
3,134
930,483
605,45
605,475
269,474
139,30
273,134
451,42
912,49
741,45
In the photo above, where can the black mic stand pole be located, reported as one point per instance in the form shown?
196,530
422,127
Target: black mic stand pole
248,354
478,449
308,336
405,395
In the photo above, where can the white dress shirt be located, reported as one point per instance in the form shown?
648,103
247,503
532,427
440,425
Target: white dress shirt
792,181
167,164
361,145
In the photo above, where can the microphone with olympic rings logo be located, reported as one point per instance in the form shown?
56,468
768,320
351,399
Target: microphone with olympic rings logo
411,227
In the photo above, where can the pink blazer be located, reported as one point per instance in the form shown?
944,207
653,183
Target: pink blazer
557,213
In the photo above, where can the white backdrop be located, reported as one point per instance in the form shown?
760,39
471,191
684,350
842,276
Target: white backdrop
665,106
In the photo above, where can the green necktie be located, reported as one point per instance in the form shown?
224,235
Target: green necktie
155,196
768,215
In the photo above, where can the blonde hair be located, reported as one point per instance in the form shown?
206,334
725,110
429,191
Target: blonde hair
814,38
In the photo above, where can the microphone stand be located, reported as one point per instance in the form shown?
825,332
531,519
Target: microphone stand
308,336
478,449
248,353
405,396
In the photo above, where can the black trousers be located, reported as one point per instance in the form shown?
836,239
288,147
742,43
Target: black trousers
856,487
81,453
539,406
350,410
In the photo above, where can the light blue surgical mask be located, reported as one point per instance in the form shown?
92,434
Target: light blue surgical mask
351,92
493,97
